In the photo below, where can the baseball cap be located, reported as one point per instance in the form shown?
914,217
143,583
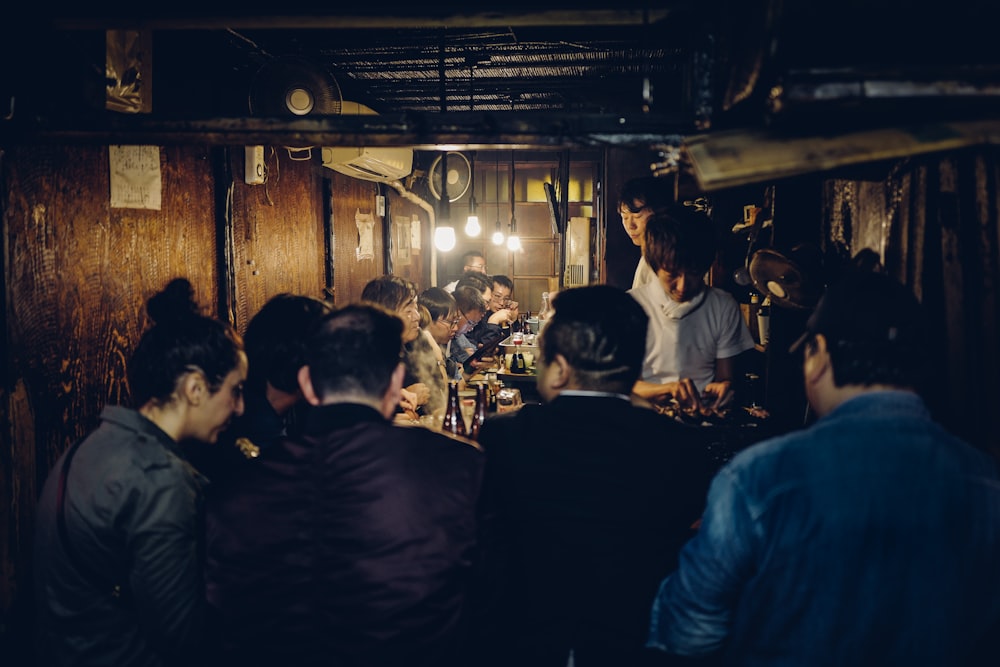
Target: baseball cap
866,308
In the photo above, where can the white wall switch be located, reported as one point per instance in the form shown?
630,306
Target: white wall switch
254,169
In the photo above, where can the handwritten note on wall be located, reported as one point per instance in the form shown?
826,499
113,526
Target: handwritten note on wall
135,176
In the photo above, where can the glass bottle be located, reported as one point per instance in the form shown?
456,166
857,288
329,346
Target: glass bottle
479,414
453,421
517,364
526,328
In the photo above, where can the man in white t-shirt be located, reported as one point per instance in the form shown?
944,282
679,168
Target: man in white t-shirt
695,331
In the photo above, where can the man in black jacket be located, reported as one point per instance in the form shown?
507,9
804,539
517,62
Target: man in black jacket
588,498
349,544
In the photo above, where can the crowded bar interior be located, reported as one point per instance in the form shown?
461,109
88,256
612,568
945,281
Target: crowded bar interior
303,148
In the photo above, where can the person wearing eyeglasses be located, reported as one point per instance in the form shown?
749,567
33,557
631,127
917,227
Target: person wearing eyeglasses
472,260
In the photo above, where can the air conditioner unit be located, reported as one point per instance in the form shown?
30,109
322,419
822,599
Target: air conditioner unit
577,271
367,163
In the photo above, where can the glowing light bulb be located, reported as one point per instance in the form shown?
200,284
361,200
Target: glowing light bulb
472,227
444,238
513,242
498,237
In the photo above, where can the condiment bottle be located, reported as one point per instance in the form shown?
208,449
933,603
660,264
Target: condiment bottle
517,364
479,414
453,421
764,321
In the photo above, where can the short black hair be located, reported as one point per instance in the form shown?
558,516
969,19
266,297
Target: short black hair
680,239
503,281
276,337
468,299
471,254
601,331
355,350
476,279
651,191
389,291
875,331
437,301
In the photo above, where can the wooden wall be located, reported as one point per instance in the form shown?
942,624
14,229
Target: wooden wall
77,273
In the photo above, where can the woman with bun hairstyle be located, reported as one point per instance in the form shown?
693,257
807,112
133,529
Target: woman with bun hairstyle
118,540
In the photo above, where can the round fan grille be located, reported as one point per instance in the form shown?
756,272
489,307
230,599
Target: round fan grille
459,176
293,87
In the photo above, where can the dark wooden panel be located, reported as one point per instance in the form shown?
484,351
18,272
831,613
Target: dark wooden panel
77,274
278,243
348,197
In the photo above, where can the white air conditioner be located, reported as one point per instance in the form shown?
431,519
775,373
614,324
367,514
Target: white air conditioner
577,271
370,164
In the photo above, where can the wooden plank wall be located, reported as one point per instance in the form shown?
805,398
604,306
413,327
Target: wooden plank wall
935,222
77,274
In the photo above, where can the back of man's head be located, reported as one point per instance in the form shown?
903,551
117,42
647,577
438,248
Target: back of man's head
601,332
874,329
477,279
275,339
355,351
680,239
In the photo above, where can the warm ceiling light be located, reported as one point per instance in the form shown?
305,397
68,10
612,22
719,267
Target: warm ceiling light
444,238
472,226
513,242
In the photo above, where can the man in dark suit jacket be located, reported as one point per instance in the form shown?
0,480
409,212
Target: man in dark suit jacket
348,544
588,497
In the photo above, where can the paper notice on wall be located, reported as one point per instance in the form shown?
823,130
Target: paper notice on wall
366,235
135,176
415,233
401,232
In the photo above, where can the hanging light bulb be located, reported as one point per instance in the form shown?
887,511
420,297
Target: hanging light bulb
513,241
472,226
498,235
444,238
444,235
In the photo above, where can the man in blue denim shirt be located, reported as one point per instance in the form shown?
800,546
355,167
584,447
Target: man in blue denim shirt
871,538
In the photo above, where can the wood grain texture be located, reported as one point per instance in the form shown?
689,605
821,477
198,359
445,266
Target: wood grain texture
278,243
77,278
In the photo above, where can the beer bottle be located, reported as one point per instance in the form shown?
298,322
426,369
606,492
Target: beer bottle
479,415
453,422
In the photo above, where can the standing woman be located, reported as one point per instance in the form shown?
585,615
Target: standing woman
118,540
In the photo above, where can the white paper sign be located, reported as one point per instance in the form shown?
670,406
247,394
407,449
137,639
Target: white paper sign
415,232
135,176
366,235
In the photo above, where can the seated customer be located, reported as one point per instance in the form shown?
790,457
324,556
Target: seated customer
696,332
352,545
400,296
589,498
275,344
471,308
444,324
